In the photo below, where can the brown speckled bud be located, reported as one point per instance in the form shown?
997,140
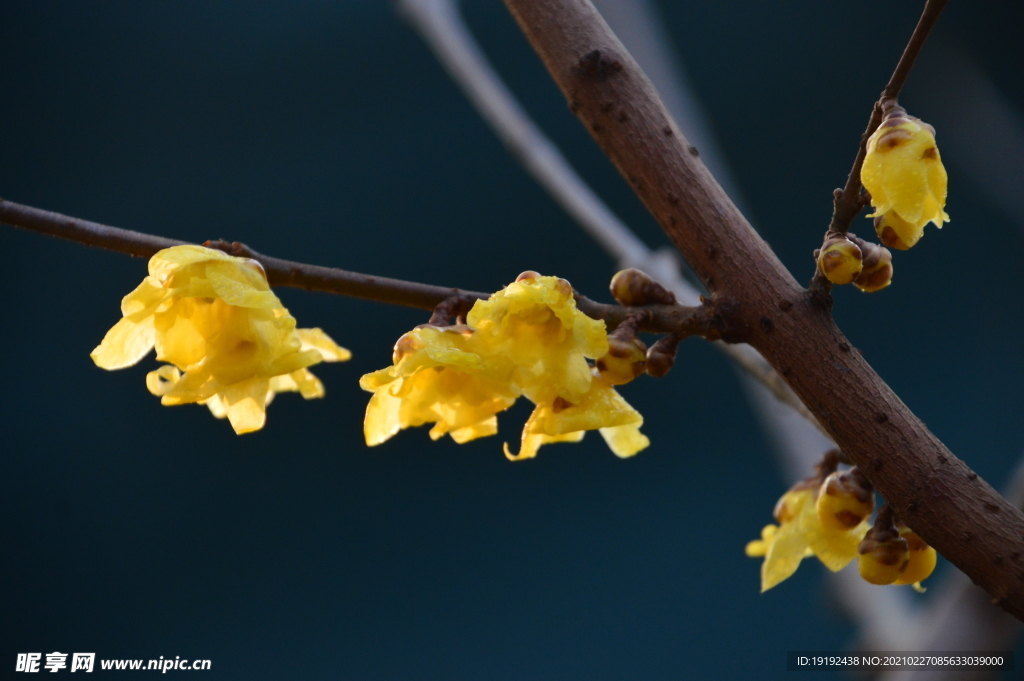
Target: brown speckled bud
883,557
528,274
661,356
632,287
877,266
626,359
845,499
839,259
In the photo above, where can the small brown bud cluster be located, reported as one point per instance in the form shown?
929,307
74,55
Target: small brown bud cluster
634,288
848,259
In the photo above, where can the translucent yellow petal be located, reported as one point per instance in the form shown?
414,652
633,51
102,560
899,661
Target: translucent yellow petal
302,381
170,260
439,430
482,429
467,361
531,443
382,419
125,344
216,407
834,548
372,381
316,339
625,441
162,381
783,557
290,362
905,182
144,300
184,329
600,407
245,404
759,547
195,385
871,178
238,285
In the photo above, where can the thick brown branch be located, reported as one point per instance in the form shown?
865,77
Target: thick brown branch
848,202
933,491
677,319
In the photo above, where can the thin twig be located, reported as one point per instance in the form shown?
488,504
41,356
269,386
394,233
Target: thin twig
848,202
679,319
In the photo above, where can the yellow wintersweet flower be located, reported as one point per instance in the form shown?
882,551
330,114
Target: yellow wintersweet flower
535,324
800,534
904,174
527,339
230,343
437,377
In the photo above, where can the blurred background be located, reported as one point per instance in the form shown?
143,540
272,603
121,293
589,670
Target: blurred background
327,132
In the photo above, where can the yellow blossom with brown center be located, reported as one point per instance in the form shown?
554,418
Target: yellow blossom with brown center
527,339
229,342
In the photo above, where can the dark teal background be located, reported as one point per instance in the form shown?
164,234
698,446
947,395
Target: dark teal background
326,132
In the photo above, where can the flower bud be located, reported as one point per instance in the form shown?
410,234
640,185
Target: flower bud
878,272
662,356
632,287
922,558
626,359
840,260
884,556
845,499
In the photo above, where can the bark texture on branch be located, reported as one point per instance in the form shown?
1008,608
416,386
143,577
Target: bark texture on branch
933,491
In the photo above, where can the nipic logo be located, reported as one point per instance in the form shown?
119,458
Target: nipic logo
55,661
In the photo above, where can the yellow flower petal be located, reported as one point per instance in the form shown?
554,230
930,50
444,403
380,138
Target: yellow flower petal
482,429
533,442
783,556
245,404
125,344
625,441
240,286
316,339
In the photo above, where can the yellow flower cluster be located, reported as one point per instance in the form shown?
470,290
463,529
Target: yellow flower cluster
828,517
528,339
229,342
904,174
800,534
